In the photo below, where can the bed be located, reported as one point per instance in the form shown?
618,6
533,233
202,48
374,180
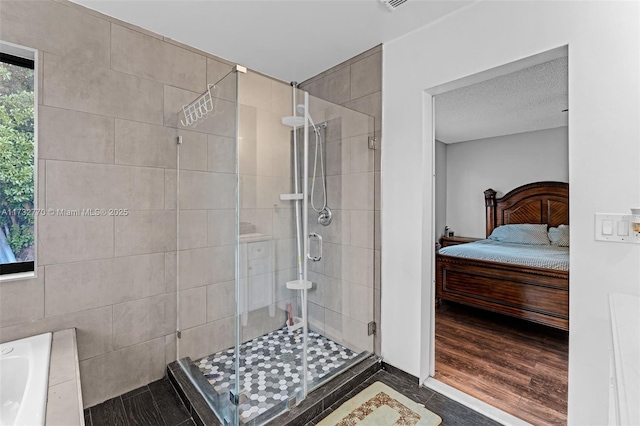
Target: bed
533,291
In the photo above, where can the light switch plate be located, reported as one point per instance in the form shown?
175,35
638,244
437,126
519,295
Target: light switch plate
616,228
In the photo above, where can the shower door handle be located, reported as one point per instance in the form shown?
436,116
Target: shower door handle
315,259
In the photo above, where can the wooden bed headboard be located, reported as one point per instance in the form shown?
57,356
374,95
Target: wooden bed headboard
539,202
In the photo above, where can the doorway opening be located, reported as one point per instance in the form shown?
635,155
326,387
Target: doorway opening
501,190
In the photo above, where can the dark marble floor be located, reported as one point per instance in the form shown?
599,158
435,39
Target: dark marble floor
451,412
158,404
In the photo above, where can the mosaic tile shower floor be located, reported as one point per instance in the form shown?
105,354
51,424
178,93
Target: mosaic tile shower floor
271,368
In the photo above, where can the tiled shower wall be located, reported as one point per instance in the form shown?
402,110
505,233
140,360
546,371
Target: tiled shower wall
355,84
108,97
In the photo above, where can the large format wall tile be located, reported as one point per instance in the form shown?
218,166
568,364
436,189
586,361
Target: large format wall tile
193,307
370,105
141,320
221,227
63,239
56,28
75,136
337,296
22,301
141,144
208,338
217,73
72,185
357,191
221,154
170,189
334,88
93,328
255,90
141,232
221,300
136,277
173,101
82,87
366,76
360,303
81,285
205,266
361,158
117,372
193,227
357,265
193,151
206,190
281,102
78,286
135,53
362,228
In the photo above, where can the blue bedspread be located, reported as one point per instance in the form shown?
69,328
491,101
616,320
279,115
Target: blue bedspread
540,256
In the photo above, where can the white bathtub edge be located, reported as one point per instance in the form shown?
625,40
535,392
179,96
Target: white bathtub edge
64,400
78,383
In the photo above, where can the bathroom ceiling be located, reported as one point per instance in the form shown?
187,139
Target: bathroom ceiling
287,39
523,101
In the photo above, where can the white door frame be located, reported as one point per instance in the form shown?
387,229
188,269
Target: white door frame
428,272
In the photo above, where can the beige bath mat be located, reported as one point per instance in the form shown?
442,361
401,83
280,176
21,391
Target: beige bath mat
379,405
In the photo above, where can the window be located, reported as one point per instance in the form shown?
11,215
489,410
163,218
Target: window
17,160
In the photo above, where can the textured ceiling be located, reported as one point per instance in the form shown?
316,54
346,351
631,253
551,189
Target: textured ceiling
523,101
286,39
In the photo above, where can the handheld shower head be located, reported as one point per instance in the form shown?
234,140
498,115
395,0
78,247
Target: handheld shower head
300,110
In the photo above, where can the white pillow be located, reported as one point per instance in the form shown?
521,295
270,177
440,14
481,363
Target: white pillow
525,233
559,236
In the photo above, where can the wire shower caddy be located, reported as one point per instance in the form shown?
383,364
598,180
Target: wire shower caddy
198,109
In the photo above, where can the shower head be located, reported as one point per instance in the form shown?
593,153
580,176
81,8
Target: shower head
300,110
296,121
293,121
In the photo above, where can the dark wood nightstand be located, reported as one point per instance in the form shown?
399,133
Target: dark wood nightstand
454,241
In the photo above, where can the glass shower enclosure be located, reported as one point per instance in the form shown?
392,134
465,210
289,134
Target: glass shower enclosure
274,199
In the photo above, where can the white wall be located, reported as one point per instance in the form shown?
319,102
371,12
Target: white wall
604,165
441,188
502,163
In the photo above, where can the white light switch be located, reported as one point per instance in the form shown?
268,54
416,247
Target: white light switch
615,228
623,228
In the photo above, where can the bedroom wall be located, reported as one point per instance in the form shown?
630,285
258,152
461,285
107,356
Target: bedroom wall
441,188
502,163
604,48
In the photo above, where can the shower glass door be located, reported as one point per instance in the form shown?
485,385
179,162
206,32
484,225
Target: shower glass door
206,184
270,341
273,302
341,302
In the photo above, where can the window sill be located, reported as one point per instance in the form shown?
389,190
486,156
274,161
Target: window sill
17,276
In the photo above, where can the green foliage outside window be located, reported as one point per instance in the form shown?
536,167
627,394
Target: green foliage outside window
17,158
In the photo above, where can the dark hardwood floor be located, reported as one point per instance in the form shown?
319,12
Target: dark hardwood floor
156,404
514,365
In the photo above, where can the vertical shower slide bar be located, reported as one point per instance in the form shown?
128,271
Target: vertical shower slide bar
296,183
305,233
